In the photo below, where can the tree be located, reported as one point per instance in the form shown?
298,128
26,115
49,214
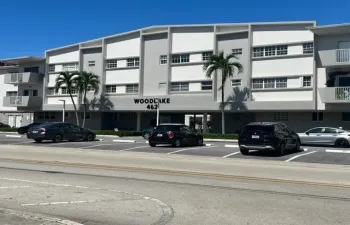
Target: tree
69,81
227,67
87,81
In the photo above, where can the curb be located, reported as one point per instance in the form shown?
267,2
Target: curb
125,141
16,136
231,146
4,132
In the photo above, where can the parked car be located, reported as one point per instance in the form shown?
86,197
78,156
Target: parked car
175,134
59,131
24,129
146,132
268,136
326,136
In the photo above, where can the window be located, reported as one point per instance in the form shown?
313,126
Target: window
207,85
132,88
87,116
180,86
50,91
52,68
330,131
35,92
269,83
91,63
111,64
163,59
11,93
180,58
73,90
47,115
308,48
236,83
307,81
315,130
111,89
280,116
133,62
317,116
270,51
67,114
206,56
70,67
237,51
345,116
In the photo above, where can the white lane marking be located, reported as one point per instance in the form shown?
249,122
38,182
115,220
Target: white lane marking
127,149
14,136
14,187
187,149
57,203
208,144
125,141
297,156
235,153
305,149
337,151
93,146
231,146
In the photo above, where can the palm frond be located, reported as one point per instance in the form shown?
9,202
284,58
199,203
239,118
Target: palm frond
86,80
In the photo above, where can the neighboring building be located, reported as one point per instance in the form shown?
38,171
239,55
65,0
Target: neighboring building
282,73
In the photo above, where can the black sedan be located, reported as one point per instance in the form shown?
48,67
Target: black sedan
24,129
60,131
175,134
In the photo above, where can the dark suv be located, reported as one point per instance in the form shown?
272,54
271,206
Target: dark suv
268,136
174,134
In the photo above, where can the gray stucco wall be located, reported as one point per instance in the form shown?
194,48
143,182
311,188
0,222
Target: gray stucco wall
153,72
226,43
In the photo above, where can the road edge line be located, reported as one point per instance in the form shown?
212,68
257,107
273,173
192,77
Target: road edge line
297,156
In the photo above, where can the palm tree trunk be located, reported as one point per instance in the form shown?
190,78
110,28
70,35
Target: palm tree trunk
75,108
222,110
84,109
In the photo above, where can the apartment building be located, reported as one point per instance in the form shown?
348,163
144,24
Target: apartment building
286,68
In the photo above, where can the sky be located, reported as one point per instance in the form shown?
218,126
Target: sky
29,27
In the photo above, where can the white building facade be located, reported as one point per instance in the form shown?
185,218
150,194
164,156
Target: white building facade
286,68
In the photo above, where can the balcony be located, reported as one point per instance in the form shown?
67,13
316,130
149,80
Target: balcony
26,77
335,94
22,101
336,57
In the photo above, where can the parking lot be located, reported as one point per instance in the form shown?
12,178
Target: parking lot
328,155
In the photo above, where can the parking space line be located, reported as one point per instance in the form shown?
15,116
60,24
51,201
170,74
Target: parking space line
235,153
297,156
231,146
187,149
92,146
127,149
337,151
15,187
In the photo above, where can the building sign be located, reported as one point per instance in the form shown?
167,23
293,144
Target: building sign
152,103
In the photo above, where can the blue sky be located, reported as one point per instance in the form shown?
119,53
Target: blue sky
31,27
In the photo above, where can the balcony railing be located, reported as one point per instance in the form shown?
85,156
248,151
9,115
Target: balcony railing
343,56
26,77
335,57
335,94
22,101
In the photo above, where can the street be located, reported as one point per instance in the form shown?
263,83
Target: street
309,154
90,187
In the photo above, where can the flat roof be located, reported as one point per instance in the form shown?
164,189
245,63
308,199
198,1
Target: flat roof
23,59
343,28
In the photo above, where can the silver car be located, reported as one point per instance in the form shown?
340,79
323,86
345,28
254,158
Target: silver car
326,136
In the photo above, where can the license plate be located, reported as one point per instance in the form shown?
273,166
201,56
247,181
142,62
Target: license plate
34,131
255,136
159,135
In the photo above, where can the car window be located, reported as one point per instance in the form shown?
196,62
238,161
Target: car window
249,129
185,129
330,131
315,130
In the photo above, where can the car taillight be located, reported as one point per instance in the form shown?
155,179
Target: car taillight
150,133
170,134
42,131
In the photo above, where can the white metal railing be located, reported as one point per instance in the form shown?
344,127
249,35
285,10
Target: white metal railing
342,93
17,77
343,55
16,100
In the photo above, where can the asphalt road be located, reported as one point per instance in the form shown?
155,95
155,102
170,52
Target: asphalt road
93,195
309,154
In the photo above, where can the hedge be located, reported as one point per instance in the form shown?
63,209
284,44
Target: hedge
8,129
120,133
220,136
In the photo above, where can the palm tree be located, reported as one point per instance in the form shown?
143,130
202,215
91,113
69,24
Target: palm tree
87,81
68,80
225,65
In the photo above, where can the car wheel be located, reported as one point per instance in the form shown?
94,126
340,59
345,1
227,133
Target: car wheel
152,144
200,142
342,143
177,143
244,151
146,136
280,151
89,137
297,146
57,138
38,140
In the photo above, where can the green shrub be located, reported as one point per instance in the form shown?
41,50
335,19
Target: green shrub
8,129
105,132
120,133
220,136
